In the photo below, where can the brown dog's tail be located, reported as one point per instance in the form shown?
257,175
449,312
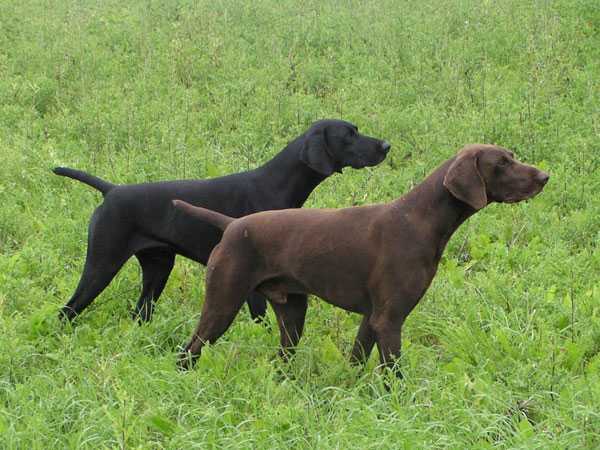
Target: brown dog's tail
214,218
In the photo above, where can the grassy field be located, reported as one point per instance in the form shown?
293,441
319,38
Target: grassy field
503,351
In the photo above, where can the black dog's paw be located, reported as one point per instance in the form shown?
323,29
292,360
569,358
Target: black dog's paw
140,317
186,361
283,371
392,376
66,314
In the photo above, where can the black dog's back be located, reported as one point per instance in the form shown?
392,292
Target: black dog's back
144,211
156,222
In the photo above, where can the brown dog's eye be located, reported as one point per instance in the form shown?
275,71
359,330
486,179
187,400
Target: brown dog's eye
504,162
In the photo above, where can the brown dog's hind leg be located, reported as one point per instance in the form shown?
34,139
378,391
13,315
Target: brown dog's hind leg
364,342
290,318
227,287
217,315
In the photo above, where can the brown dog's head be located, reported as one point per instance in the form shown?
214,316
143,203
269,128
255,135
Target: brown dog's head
330,145
481,174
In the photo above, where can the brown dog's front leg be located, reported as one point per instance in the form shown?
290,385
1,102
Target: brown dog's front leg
187,358
388,343
363,344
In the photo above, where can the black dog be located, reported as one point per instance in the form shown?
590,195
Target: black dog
140,220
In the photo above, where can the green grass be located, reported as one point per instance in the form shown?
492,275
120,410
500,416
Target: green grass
502,352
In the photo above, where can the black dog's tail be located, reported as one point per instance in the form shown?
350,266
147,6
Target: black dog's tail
219,220
95,182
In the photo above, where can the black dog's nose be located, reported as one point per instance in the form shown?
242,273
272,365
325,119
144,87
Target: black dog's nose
385,146
543,177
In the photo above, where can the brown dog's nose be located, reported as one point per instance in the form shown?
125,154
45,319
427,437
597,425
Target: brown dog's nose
385,146
543,177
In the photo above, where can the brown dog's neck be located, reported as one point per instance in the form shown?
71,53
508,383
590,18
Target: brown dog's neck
289,178
433,206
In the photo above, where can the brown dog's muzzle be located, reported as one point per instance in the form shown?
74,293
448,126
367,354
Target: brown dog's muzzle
537,179
542,177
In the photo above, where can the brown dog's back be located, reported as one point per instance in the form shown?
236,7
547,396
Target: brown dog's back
296,244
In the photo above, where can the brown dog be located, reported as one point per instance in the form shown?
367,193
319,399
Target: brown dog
375,260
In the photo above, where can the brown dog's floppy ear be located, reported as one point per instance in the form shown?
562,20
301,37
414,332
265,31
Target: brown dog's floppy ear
464,181
315,154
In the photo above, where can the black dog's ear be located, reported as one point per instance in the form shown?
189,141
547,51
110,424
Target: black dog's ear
464,181
315,153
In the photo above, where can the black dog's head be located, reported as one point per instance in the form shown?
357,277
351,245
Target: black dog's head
330,145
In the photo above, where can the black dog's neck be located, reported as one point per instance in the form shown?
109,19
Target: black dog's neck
436,208
288,177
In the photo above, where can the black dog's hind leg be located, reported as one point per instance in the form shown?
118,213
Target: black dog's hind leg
257,305
106,254
156,268
290,318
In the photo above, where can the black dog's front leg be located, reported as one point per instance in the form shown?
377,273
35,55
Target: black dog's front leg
363,344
